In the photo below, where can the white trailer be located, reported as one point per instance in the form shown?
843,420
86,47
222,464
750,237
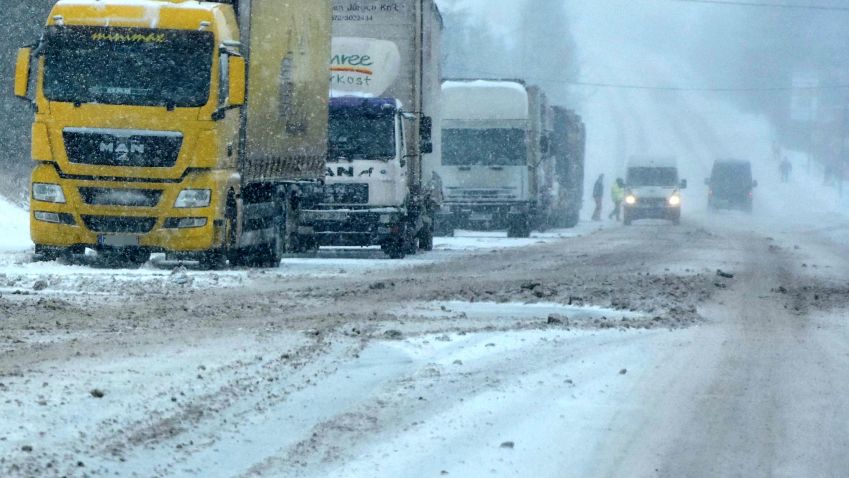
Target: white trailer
491,141
384,137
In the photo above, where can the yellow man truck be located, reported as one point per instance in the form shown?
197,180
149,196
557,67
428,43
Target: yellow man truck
192,128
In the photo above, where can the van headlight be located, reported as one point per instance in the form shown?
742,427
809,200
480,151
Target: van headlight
191,198
675,200
48,193
630,199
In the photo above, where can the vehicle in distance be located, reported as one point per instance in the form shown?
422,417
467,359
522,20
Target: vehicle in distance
730,185
653,190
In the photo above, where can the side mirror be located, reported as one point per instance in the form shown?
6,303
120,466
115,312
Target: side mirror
754,184
22,70
237,80
683,184
426,134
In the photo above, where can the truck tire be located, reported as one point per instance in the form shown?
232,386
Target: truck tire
213,260
571,220
45,254
426,238
305,244
265,255
410,243
235,256
394,248
519,227
626,218
124,258
269,255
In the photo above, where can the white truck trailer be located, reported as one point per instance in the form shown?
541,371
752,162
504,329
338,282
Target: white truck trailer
568,145
492,150
384,128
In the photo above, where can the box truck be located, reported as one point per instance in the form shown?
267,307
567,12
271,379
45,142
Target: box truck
509,159
491,150
186,127
383,129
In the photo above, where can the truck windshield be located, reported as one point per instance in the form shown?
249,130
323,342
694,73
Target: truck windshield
361,136
650,176
128,66
483,147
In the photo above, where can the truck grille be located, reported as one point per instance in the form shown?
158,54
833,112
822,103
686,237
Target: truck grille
346,194
133,225
121,197
458,194
107,147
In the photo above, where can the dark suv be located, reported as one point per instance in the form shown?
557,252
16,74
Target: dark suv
731,185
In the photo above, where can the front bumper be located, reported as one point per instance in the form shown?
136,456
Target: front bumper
656,210
481,215
353,227
733,202
105,226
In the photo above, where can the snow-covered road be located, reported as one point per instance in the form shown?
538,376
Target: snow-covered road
446,366
604,351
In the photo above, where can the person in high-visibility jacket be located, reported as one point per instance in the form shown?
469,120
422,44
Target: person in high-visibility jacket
617,194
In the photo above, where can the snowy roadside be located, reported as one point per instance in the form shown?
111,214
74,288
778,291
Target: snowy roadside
15,225
20,275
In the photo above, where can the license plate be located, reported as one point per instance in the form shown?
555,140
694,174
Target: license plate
118,240
480,217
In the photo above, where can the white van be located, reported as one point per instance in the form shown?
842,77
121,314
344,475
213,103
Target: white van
653,190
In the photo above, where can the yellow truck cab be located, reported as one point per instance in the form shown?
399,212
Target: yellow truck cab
146,135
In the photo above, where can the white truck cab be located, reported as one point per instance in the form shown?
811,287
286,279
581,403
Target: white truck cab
486,154
653,190
383,131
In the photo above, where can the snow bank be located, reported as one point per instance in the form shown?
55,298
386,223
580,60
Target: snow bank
14,222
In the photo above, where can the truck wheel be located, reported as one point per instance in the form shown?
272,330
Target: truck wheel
269,255
306,244
45,254
626,219
128,258
213,260
236,256
571,220
410,245
394,248
426,238
519,227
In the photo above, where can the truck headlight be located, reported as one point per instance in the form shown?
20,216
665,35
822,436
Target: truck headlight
630,199
48,193
675,200
191,198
